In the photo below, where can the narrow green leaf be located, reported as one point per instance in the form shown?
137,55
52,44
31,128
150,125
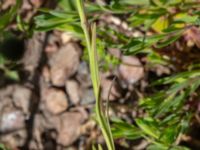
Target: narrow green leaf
12,75
169,41
122,129
135,2
9,15
149,127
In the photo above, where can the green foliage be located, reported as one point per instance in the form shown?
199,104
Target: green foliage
162,23
65,21
6,65
9,15
121,129
167,117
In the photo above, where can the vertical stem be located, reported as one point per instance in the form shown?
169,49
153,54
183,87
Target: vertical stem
94,72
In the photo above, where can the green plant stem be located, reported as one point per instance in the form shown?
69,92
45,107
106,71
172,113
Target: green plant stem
94,72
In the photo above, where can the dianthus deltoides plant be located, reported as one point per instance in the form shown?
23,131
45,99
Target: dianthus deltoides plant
164,24
90,37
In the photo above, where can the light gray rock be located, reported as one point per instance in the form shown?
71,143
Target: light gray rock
107,86
56,101
21,98
73,91
11,120
131,70
64,64
88,97
70,128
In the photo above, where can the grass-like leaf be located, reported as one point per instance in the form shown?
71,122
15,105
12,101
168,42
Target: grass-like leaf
94,71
